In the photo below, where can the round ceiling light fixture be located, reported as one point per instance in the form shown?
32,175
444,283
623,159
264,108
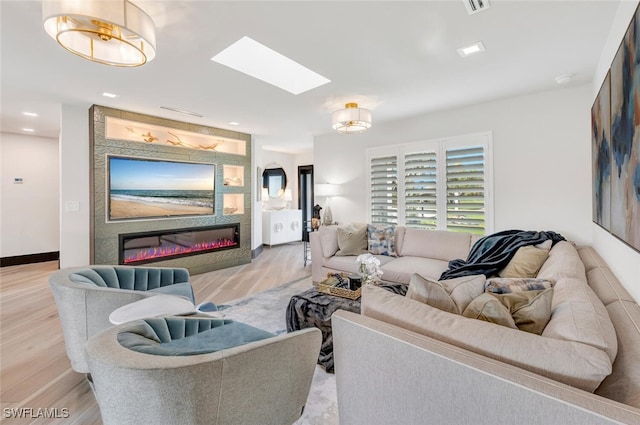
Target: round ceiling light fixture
564,79
351,119
115,32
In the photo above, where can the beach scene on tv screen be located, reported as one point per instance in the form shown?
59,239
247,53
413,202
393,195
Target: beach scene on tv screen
141,188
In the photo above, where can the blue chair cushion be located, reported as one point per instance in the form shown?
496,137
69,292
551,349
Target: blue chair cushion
183,289
161,280
178,336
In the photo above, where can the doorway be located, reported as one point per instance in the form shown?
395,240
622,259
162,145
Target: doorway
305,197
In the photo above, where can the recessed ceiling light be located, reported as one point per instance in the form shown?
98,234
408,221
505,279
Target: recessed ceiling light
28,130
30,114
110,95
182,111
233,123
258,61
564,79
476,47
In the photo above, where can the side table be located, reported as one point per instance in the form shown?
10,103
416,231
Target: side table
159,305
306,244
312,308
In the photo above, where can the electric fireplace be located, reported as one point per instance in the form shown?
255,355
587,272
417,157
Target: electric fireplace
147,247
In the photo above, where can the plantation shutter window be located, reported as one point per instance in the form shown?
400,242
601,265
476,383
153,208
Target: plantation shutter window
384,189
443,184
420,190
466,189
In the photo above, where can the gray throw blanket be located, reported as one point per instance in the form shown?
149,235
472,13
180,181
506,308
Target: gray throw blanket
492,253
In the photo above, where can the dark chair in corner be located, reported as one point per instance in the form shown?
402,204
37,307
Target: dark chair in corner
166,371
85,296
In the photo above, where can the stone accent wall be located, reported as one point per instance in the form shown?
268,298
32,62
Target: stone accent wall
104,234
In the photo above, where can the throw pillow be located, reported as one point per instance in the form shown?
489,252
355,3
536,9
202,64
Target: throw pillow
528,311
381,240
452,295
489,309
352,239
498,285
525,263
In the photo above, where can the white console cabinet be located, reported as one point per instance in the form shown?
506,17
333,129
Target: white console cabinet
281,226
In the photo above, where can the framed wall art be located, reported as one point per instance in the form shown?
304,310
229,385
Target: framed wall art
601,155
622,216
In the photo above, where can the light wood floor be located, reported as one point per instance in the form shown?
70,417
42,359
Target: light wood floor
35,372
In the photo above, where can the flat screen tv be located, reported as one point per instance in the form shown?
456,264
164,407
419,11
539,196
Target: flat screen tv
141,188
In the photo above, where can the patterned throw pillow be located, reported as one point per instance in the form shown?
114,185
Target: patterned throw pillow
382,240
499,285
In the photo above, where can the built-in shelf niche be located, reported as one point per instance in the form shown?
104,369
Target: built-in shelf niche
132,131
233,175
233,203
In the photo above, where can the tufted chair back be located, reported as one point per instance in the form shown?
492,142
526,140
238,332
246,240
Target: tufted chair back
86,296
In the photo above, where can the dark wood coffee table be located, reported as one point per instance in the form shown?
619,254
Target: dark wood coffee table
314,309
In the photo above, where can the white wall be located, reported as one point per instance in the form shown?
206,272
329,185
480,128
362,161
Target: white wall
288,163
74,186
624,261
541,159
256,210
28,211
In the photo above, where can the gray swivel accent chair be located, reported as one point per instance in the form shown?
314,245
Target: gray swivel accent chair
86,296
158,371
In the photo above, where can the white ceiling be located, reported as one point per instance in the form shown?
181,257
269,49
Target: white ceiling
396,58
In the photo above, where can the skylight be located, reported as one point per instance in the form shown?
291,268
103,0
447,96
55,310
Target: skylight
258,61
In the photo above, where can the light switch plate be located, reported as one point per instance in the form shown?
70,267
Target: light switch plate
72,206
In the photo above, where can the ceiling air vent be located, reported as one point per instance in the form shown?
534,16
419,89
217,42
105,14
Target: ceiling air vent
475,6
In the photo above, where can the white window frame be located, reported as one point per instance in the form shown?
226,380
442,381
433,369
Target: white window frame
484,139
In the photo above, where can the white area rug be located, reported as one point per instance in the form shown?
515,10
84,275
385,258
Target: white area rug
267,310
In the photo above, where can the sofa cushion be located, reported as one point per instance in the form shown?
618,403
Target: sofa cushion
349,264
400,232
328,240
451,295
401,268
572,363
437,244
606,285
525,263
499,285
578,315
528,311
563,261
590,258
381,240
623,384
352,239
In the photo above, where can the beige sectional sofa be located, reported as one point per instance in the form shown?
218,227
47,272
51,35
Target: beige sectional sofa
418,251
404,361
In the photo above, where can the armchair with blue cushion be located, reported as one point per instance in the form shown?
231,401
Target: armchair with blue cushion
196,371
85,296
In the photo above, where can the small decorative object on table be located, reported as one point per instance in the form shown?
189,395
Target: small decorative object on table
338,284
369,268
